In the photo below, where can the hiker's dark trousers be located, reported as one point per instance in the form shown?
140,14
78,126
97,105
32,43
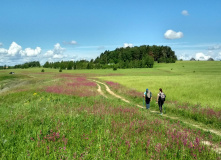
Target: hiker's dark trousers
160,103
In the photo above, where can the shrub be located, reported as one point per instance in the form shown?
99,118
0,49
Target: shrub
114,68
60,70
210,59
42,70
192,59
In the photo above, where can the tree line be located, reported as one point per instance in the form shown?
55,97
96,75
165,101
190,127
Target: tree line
28,65
25,65
129,57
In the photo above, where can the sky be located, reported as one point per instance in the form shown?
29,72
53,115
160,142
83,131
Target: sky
56,30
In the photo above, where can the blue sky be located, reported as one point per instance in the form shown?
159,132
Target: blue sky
55,30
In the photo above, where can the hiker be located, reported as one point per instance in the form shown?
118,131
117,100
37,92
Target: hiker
148,97
160,99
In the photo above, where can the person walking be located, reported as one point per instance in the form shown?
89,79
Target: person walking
160,99
148,97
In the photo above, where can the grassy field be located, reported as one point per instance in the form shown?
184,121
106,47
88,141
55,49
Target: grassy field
62,116
186,82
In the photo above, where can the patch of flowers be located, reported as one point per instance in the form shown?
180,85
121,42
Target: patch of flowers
79,86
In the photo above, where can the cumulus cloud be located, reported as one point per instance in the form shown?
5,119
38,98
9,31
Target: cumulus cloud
56,53
31,52
170,34
71,42
58,49
128,45
1,44
185,13
14,49
201,56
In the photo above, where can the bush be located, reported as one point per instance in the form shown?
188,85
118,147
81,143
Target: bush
42,70
60,70
114,68
210,59
192,59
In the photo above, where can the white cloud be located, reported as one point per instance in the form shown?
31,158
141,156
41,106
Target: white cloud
185,13
58,49
184,57
49,53
58,56
71,42
3,51
56,53
1,44
170,34
128,45
14,49
31,52
201,56
218,56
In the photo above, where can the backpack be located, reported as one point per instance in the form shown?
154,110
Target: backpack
148,94
162,96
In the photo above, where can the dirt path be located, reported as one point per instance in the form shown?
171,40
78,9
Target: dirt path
112,93
218,150
100,91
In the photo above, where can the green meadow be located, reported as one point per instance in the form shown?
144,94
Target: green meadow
186,82
61,115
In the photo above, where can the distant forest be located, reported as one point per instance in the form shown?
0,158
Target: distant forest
25,65
131,57
28,64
